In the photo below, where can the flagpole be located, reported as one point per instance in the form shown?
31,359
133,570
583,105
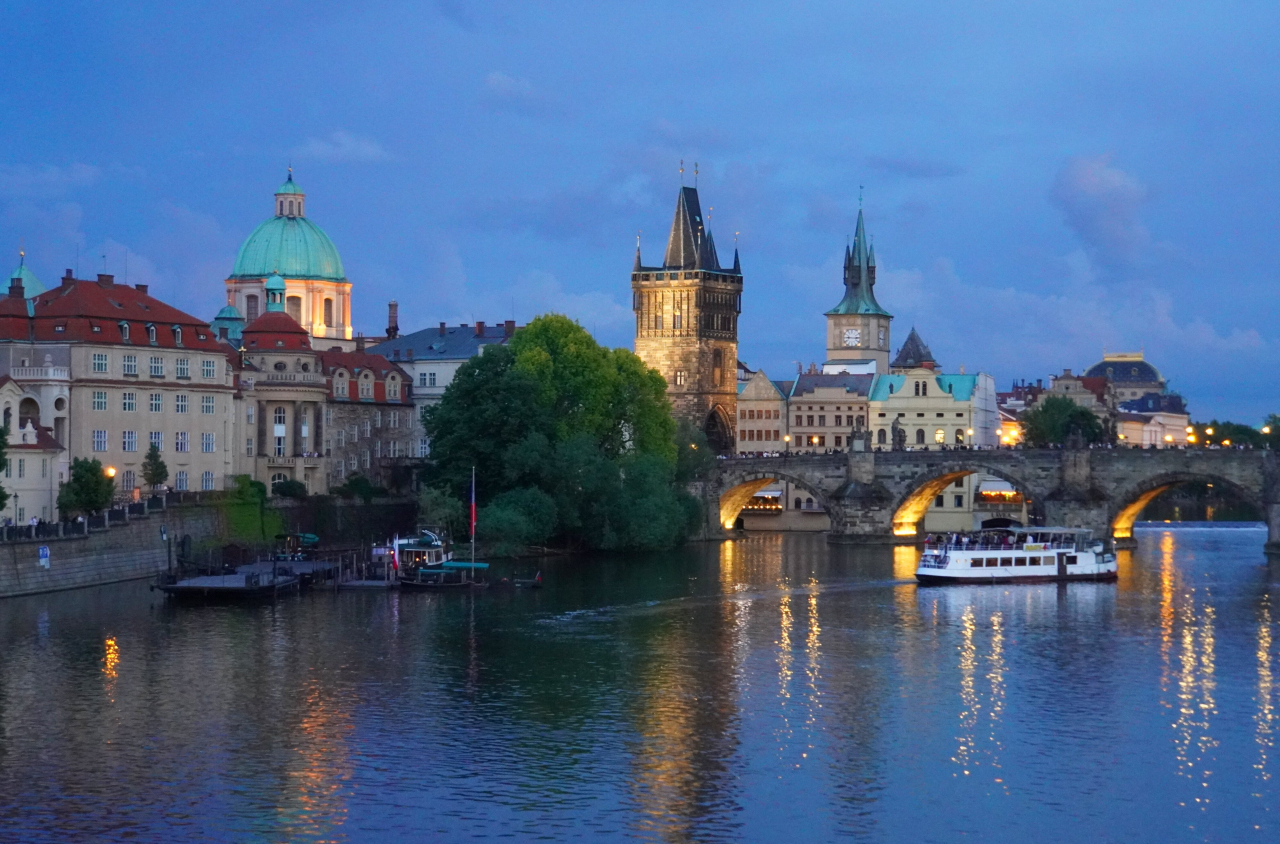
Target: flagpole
473,514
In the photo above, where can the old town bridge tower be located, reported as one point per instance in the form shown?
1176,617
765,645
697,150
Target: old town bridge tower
687,323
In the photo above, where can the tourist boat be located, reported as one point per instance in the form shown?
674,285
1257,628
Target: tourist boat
425,563
1015,555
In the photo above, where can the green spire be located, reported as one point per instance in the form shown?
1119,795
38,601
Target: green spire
859,277
31,285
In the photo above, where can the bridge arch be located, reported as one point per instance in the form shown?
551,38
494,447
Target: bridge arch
740,487
1129,504
910,508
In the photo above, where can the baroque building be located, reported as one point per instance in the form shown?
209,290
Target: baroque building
687,323
317,293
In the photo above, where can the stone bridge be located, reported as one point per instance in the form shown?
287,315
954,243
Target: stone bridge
880,497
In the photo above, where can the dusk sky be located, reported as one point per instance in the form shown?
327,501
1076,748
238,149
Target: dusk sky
1043,181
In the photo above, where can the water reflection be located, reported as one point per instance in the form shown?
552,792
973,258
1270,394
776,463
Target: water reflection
1266,716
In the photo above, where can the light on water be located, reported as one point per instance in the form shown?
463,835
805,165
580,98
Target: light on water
766,688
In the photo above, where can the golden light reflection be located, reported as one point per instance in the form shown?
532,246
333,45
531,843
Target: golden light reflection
995,675
110,658
812,649
313,803
1266,717
784,669
906,559
968,693
1196,695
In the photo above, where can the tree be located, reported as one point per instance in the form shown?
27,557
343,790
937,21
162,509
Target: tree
1055,419
358,486
154,470
88,490
4,461
289,488
569,441
437,508
1234,433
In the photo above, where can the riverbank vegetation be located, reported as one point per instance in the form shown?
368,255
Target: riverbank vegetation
573,446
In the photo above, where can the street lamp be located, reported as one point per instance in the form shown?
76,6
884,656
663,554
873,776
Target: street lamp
110,471
1209,431
786,439
1266,429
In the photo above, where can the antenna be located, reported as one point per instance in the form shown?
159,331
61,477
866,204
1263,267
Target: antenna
695,174
682,172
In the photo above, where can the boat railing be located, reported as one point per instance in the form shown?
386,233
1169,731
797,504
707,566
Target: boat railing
999,546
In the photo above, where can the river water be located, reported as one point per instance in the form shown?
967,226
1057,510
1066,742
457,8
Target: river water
768,689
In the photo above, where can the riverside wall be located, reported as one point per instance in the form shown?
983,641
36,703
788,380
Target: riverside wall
124,552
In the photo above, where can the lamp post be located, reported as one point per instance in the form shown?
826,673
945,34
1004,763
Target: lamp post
969,433
786,439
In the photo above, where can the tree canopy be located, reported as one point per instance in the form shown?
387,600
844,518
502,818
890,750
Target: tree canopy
154,470
1055,419
88,490
570,442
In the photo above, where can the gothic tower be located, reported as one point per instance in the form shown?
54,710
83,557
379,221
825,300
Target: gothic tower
687,323
858,328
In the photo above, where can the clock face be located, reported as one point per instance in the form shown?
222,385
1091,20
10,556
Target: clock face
852,336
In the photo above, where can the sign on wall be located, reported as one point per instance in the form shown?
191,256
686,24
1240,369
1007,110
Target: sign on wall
44,557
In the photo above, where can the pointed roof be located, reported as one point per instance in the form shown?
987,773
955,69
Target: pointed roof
859,277
31,285
914,354
690,245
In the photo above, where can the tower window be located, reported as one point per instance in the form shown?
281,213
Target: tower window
328,312
250,307
281,211
291,208
681,377
293,305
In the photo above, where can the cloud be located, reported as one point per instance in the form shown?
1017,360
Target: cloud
914,168
342,146
512,93
45,181
1100,203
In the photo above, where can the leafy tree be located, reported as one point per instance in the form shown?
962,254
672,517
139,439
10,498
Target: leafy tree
88,490
569,441
289,488
247,489
4,461
154,470
436,507
358,486
1055,419
1232,432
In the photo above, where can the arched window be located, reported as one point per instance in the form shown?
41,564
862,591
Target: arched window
278,477
151,334
293,306
881,437
124,331
328,312
291,208
250,307
917,383
959,436
177,335
797,504
281,211
924,388
920,436
939,436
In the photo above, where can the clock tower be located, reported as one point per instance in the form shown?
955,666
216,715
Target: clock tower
858,328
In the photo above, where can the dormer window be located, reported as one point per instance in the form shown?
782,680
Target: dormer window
124,331
151,334
177,334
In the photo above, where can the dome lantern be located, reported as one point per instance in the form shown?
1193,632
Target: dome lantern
289,198
275,292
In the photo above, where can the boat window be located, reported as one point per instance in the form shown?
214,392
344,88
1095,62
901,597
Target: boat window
1006,561
1020,561
1033,561
992,562
1071,559
975,563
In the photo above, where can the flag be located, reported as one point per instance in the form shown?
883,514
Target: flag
473,502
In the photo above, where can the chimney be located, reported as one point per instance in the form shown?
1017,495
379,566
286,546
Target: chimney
1039,383
67,278
141,288
393,320
15,288
479,328
442,332
509,328
105,280
359,342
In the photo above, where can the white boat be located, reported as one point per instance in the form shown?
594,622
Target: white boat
1015,555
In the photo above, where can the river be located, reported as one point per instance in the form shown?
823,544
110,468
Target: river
772,688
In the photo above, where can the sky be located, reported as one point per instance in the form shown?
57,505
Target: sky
1043,181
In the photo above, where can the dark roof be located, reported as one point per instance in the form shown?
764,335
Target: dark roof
914,353
457,342
784,387
72,311
689,246
859,277
275,329
358,362
1156,403
810,381
1126,372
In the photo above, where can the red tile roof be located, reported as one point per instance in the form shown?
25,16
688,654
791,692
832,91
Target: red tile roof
275,330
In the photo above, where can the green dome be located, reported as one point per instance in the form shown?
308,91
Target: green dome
31,285
295,247
289,186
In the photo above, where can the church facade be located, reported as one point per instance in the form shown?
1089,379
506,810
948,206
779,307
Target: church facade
686,313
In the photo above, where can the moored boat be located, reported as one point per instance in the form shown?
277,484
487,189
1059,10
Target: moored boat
426,563
1015,555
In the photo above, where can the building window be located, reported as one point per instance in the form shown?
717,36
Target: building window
279,449
155,402
157,366
377,448
293,306
366,386
920,436
353,462
393,388
340,387
368,428
248,412
250,308
424,447
328,312
130,441
130,480
328,415
99,362
206,480
940,501
682,377
422,379
22,467
151,334
432,379
180,403
183,368
181,443
939,436
377,419
124,333
959,500
99,440
99,399
206,443
366,458
44,467
248,447
128,402
208,368
959,436
180,481
279,415
342,438
880,437
206,405
130,363
393,419
156,439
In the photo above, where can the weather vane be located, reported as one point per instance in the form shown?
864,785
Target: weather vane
682,172
695,174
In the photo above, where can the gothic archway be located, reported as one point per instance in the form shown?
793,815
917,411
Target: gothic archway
719,431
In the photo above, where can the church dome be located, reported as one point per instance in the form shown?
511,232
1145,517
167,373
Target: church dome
1128,369
289,244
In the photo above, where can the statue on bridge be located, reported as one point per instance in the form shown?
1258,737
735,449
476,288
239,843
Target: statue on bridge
899,435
